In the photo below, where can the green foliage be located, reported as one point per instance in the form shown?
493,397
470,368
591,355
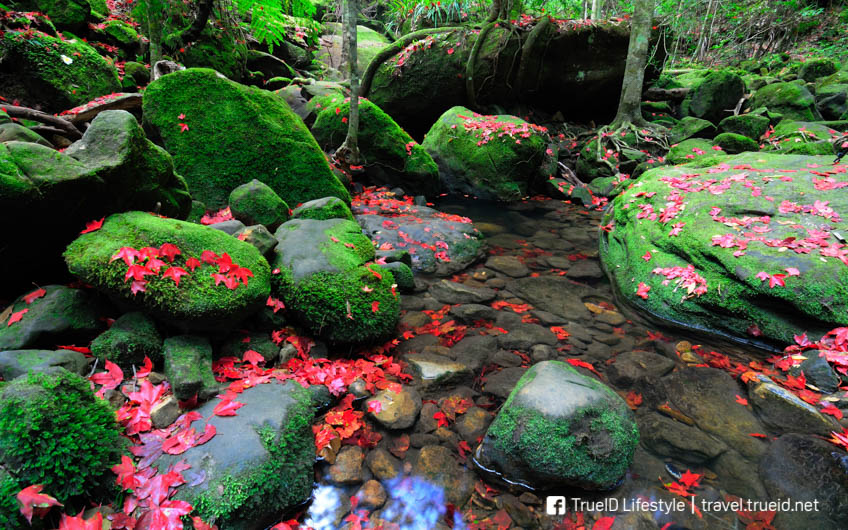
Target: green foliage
55,432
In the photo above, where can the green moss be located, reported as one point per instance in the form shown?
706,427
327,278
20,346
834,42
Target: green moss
196,301
719,91
733,143
790,99
121,32
248,133
188,367
749,125
691,127
215,49
256,203
10,513
44,77
691,150
323,209
130,339
284,481
814,69
53,431
63,13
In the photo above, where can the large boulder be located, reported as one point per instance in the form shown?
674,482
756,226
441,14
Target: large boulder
438,243
746,248
560,428
390,156
52,74
816,68
246,134
130,339
259,463
716,96
792,100
188,275
113,168
491,157
584,61
70,14
325,274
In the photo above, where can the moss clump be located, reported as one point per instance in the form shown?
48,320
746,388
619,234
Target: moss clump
55,432
248,133
188,367
323,209
197,302
282,482
390,155
255,203
733,143
811,70
691,127
64,13
215,49
130,339
790,99
750,125
691,150
719,91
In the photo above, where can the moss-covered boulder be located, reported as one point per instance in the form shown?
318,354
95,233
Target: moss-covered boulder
189,275
130,339
560,428
691,127
792,100
216,49
247,134
390,156
804,138
51,424
258,465
323,209
716,96
52,74
188,367
832,101
15,363
811,70
491,157
65,14
733,143
60,315
15,132
751,125
745,248
692,149
329,283
256,203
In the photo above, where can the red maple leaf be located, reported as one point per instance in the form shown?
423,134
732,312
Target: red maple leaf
227,408
128,254
183,127
110,379
169,251
691,480
604,523
174,273
831,409
17,316
78,523
741,400
441,419
38,293
375,306
192,263
92,226
200,525
126,473
31,499
253,357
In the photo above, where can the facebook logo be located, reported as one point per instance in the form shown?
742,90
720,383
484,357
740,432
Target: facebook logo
555,505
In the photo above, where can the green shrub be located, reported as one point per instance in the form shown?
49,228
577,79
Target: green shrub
55,432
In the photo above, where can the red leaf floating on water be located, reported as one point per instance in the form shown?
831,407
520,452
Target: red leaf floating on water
93,226
31,498
17,316
38,293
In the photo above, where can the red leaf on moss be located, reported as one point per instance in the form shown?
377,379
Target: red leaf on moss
38,293
93,226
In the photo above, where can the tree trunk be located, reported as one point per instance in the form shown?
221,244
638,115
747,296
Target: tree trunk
596,9
629,110
344,59
349,150
155,22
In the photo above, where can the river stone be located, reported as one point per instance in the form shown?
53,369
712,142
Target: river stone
473,424
509,265
473,312
449,292
399,410
474,351
15,363
62,316
555,294
231,227
347,469
806,468
382,464
323,209
258,465
785,412
258,236
560,428
708,396
818,373
524,336
439,467
668,438
630,367
726,295
130,339
435,370
501,383
188,367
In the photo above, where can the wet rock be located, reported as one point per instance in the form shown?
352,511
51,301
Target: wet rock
509,265
371,495
188,366
524,336
165,412
399,410
738,475
501,383
681,442
805,468
585,269
323,209
437,464
449,292
473,312
548,319
560,428
62,316
506,358
15,363
554,294
415,319
382,464
818,373
436,370
784,411
348,466
473,424
632,366
708,396
418,344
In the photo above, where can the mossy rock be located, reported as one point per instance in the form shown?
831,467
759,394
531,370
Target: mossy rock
258,465
53,74
131,338
216,49
248,133
806,148
690,150
733,143
692,79
561,428
491,157
328,285
837,78
750,125
691,127
188,367
814,69
716,95
727,296
790,99
197,302
15,132
256,203
65,14
138,72
55,432
323,209
16,363
390,156
832,101
804,131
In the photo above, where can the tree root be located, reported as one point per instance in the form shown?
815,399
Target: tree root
470,93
